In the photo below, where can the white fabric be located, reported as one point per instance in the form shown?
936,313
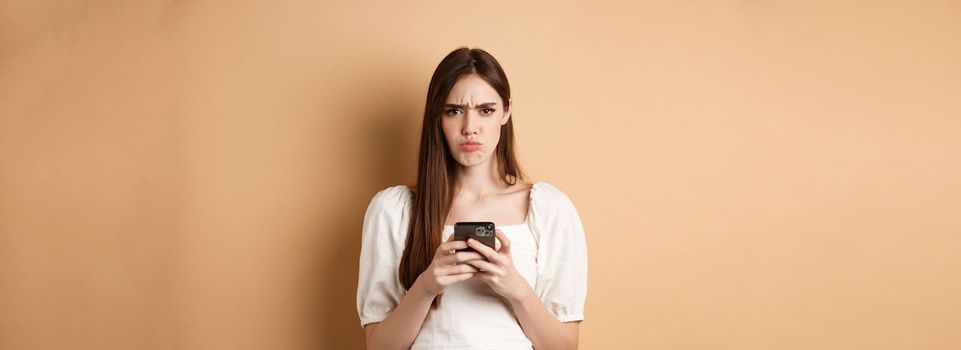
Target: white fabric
548,250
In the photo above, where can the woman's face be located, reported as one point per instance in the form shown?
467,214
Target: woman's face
472,119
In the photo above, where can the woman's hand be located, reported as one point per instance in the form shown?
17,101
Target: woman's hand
446,269
498,271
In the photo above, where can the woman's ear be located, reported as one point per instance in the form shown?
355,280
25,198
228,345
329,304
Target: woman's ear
507,112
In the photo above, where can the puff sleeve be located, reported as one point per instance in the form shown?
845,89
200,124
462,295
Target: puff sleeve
379,290
561,282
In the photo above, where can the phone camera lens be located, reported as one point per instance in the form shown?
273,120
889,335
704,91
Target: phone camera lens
482,231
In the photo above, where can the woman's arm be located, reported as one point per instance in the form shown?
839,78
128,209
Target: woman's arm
544,330
400,328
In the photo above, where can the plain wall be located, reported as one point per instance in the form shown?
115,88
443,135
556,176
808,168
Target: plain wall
750,174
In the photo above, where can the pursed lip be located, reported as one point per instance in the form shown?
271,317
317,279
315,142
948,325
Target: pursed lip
470,146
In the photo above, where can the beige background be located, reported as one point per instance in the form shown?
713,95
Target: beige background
751,174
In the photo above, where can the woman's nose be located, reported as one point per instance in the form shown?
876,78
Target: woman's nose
470,125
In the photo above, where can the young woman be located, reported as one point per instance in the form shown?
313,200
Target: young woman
414,290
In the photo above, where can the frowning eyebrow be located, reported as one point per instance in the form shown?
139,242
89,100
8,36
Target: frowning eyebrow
482,105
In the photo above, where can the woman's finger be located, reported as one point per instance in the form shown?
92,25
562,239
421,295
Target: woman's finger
482,248
451,245
505,243
459,257
458,269
484,266
442,247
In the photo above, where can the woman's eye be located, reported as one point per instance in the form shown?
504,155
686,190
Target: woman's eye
452,111
487,111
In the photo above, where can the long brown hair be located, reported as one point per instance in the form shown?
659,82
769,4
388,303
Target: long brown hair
434,192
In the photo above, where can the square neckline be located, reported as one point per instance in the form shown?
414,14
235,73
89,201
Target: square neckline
530,208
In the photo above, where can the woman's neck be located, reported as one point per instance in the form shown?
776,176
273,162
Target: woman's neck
478,181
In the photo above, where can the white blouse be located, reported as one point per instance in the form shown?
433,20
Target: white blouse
548,250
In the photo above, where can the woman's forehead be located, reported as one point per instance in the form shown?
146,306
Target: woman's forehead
472,90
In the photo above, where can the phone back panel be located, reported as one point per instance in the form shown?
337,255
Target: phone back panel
481,231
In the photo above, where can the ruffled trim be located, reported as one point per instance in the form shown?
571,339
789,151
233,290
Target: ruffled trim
531,200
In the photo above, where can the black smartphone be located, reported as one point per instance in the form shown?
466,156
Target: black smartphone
481,231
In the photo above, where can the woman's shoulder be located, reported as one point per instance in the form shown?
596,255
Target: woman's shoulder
391,198
543,193
553,212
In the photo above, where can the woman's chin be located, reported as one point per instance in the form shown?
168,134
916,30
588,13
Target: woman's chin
469,160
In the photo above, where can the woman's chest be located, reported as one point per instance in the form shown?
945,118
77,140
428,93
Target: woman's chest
502,210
